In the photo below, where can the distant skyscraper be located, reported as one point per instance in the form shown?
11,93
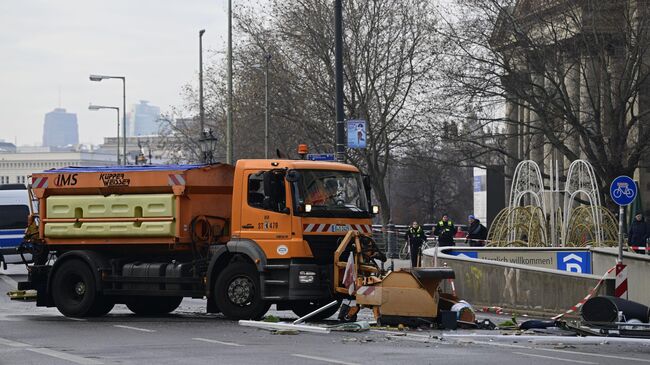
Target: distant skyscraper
60,128
143,120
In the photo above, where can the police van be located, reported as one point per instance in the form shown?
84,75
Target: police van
14,210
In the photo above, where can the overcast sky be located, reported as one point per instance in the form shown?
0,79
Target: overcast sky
46,45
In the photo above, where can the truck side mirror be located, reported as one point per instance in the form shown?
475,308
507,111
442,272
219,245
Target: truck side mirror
274,191
367,186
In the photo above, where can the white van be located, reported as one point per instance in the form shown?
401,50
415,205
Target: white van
14,210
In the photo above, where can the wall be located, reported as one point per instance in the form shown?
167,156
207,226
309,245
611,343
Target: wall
517,287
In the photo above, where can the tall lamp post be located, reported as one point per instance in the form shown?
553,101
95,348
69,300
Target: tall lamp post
117,109
340,114
229,144
201,110
123,78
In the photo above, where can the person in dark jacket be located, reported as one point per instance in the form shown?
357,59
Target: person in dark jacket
477,233
415,237
445,230
638,233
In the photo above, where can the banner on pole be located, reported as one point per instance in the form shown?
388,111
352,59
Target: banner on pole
356,133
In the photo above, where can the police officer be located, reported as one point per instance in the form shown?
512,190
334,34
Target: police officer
415,237
445,230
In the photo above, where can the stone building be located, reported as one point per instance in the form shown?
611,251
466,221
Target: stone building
576,76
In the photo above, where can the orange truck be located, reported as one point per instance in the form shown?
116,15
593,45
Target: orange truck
245,237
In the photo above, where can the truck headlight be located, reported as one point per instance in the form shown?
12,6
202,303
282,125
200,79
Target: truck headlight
375,209
306,277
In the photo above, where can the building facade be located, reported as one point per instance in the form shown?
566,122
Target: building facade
60,128
576,81
142,120
17,167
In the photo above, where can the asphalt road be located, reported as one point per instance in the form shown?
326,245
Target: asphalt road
31,335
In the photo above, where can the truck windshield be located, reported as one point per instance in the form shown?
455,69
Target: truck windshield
330,193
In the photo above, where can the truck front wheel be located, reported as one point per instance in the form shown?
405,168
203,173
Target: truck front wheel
74,291
238,293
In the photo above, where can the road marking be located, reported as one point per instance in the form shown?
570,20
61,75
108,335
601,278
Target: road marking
63,356
561,351
324,359
9,281
134,328
215,341
4,341
597,355
48,352
554,358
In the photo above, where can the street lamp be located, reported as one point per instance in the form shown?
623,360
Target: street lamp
201,110
207,143
123,78
98,107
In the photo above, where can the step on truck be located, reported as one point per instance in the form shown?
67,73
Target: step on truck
244,237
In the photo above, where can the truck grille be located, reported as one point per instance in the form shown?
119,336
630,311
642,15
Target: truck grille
323,247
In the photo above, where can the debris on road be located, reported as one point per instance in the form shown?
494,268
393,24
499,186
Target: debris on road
285,332
360,326
283,326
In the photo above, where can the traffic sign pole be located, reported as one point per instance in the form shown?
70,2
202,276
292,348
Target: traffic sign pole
621,217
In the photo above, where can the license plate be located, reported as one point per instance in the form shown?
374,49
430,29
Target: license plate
340,228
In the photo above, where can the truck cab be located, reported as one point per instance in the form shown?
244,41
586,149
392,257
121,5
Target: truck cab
297,212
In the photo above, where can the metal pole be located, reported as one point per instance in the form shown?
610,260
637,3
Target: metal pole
201,111
124,119
229,144
621,217
340,125
118,135
309,315
266,117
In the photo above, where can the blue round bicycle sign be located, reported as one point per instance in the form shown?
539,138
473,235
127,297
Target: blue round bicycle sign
623,190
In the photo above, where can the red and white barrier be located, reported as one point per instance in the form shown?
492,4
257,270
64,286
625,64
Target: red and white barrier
592,292
640,248
621,281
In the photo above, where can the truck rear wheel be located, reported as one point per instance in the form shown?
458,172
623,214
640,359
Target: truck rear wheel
149,306
74,291
304,307
238,292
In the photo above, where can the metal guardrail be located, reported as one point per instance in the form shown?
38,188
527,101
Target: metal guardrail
391,238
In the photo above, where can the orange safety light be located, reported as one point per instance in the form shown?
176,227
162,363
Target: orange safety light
303,150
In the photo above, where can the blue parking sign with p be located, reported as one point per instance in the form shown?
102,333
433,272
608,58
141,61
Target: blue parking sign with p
574,261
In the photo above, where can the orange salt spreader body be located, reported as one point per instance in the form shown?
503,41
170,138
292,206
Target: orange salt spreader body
247,236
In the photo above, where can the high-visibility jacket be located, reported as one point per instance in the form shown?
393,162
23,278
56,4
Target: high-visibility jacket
445,232
415,235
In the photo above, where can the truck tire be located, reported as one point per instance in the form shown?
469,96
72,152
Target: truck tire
74,291
304,307
238,292
151,306
102,308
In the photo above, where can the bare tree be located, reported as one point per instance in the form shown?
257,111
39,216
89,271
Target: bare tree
389,58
